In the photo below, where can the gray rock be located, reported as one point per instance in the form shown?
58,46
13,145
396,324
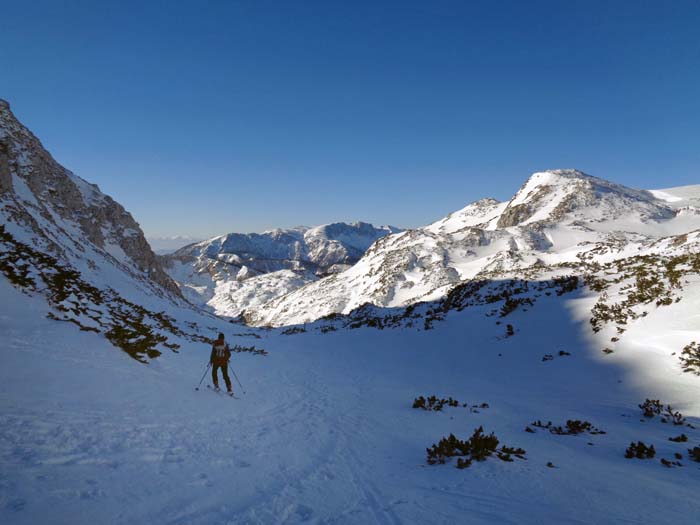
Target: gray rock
56,192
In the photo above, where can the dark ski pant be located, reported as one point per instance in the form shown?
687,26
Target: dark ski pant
215,375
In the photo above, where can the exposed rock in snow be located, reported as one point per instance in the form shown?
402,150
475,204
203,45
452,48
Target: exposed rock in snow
556,217
237,271
560,195
51,207
572,316
64,240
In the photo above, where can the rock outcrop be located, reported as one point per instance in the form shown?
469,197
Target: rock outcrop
66,215
557,217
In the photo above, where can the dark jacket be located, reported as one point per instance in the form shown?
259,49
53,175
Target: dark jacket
220,354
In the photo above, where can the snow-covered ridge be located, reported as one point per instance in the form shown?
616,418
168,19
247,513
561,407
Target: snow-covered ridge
47,206
236,271
679,197
320,247
66,243
556,217
558,194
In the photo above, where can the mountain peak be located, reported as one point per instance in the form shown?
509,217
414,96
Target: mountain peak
546,178
564,172
4,104
554,194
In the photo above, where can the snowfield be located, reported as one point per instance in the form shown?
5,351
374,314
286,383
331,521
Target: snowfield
574,303
325,431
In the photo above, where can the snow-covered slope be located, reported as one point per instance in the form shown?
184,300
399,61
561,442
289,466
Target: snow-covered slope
680,197
47,206
63,239
237,271
325,432
556,217
577,311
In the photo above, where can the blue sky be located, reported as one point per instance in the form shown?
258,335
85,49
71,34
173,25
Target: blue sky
209,117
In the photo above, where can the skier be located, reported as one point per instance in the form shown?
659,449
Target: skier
220,355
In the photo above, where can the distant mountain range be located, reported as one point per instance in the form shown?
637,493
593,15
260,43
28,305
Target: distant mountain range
573,303
237,271
557,217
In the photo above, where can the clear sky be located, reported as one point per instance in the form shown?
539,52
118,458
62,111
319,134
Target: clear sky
209,117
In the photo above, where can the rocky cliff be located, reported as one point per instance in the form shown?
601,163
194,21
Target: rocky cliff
67,216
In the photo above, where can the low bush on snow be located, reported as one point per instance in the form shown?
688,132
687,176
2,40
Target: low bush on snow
571,428
249,349
640,451
690,358
694,454
434,403
294,330
129,326
653,407
648,280
670,463
478,447
511,304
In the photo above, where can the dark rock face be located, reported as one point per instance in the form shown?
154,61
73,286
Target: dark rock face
5,175
514,215
566,195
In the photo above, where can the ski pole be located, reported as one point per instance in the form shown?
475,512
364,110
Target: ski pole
237,380
205,373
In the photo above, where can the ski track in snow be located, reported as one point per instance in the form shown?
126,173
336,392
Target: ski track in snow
325,433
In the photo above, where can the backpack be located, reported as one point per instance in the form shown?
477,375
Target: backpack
220,353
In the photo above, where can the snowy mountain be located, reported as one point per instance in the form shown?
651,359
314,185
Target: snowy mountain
531,361
237,271
557,217
65,240
52,208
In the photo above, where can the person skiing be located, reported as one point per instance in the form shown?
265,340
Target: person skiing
220,355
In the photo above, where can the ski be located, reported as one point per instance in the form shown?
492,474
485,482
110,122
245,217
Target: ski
223,393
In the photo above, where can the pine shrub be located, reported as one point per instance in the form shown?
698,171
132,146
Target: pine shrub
572,427
249,349
294,330
436,404
651,407
690,358
477,448
640,451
